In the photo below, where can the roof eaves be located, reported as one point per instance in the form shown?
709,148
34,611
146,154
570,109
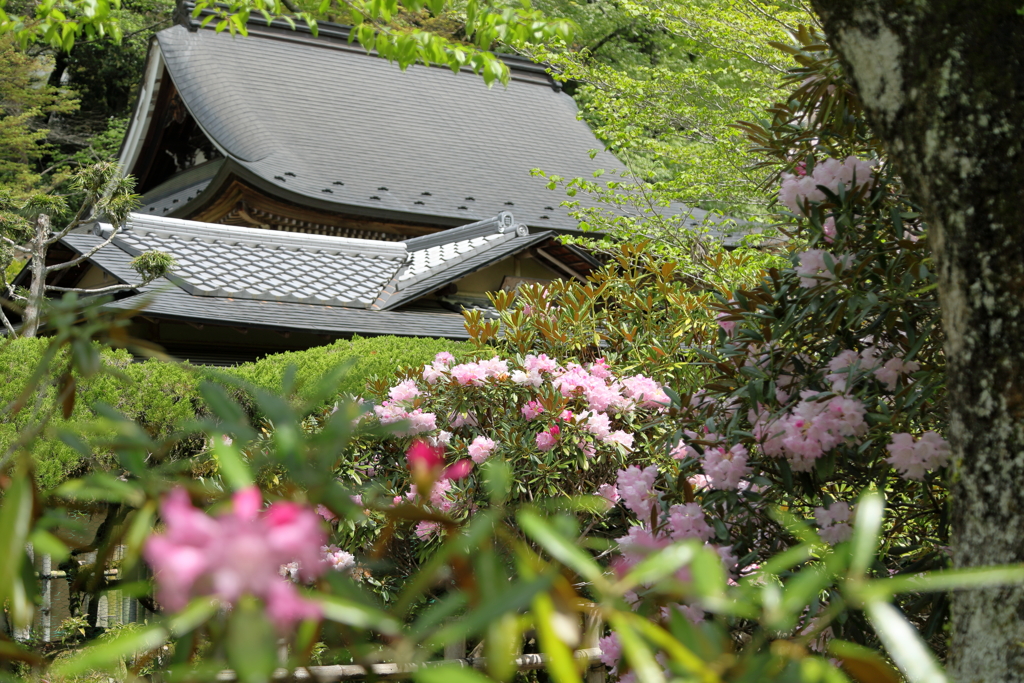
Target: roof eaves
461,269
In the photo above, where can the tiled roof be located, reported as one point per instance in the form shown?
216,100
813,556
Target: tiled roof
250,263
325,123
221,267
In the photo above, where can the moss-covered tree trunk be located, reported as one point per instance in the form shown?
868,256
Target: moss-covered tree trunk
942,82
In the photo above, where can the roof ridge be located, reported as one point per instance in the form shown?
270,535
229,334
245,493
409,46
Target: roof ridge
211,232
488,226
332,32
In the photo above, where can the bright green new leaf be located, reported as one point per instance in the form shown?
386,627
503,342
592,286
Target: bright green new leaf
561,548
904,644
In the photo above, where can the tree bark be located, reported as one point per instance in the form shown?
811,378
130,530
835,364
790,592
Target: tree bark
942,82
37,289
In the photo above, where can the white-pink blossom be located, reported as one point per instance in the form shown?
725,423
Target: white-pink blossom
913,458
404,391
687,521
531,409
890,372
726,468
480,449
636,488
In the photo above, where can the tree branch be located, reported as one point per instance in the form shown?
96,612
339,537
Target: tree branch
101,290
84,257
14,245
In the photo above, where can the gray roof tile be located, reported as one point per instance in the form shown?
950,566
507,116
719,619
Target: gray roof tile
278,103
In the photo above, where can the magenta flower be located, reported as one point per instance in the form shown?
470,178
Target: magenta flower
458,470
422,456
237,553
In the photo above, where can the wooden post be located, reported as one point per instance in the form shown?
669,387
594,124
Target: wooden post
44,608
456,650
593,628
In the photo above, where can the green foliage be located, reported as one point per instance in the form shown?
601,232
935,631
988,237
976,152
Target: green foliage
161,397
152,264
661,85
365,358
25,99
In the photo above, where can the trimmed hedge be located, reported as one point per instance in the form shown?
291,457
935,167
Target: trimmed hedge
160,396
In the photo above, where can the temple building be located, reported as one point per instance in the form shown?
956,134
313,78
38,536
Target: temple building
310,191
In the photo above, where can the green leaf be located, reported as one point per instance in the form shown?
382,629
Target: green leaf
945,580
251,643
862,664
904,644
560,548
560,663
232,465
659,565
15,522
866,528
636,652
109,654
449,674
355,614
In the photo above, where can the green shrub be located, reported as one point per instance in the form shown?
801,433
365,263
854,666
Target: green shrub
371,357
162,396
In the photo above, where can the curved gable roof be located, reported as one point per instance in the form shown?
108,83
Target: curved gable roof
324,120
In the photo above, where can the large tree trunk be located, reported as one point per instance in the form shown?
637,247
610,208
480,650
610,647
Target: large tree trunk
942,82
37,289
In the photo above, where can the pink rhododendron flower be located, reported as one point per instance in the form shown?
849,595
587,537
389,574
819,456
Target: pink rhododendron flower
458,470
237,553
464,420
480,449
599,424
813,269
389,412
912,458
540,363
424,457
443,359
725,468
636,488
547,439
532,409
469,374
432,373
336,558
796,188
404,391
325,513
687,521
727,325
600,369
833,523
420,422
889,373
609,493
426,529
533,379
645,391
624,439
495,367
611,650
683,450
828,229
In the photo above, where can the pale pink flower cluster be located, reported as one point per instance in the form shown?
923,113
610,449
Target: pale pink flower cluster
600,425
609,492
404,392
688,521
849,366
893,368
636,489
480,449
913,457
419,421
531,409
833,523
726,468
800,188
336,558
237,553
813,269
810,429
